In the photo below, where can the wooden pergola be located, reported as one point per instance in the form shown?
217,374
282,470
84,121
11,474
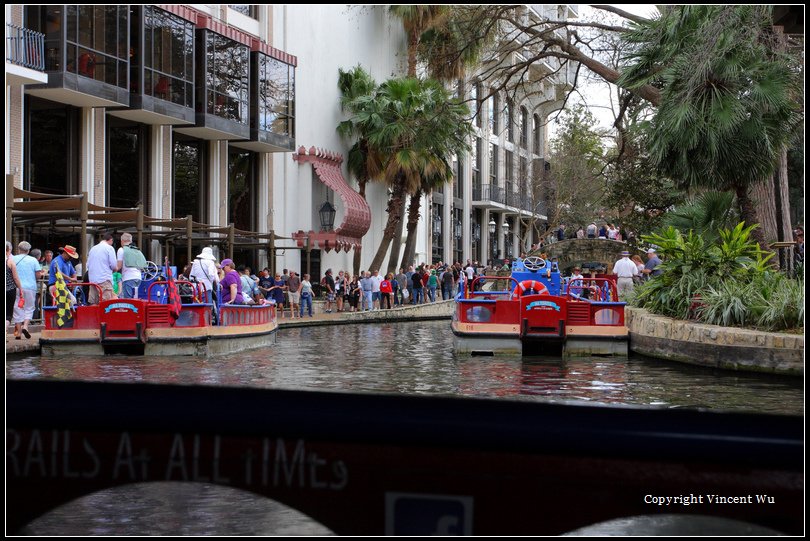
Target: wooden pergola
76,214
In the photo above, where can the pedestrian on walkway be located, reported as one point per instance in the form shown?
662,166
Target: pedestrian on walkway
293,292
28,271
12,285
367,285
305,289
386,291
625,270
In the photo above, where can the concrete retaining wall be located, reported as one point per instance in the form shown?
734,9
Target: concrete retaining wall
714,346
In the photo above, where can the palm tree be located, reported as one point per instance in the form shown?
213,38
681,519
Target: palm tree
705,214
728,104
355,84
430,29
412,127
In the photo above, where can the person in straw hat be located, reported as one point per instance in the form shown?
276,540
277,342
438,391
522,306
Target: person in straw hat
64,264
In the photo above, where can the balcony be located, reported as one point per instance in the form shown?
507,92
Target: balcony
489,193
272,100
25,56
161,66
222,82
86,54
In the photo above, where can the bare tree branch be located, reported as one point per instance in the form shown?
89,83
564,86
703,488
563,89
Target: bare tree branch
622,13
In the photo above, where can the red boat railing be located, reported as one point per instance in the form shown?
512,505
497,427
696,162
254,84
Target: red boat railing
595,287
197,287
245,314
471,290
85,316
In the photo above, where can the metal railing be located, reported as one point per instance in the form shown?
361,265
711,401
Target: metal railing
25,47
489,192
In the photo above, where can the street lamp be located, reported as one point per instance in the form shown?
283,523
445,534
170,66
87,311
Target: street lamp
457,228
476,231
492,226
437,223
505,227
327,214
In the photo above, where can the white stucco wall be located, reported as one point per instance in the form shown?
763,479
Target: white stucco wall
325,38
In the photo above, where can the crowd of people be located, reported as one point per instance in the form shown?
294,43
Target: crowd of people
118,274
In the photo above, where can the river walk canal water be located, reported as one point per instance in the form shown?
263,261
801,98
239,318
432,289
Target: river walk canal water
407,358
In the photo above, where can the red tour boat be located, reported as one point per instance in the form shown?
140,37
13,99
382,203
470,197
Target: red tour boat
537,313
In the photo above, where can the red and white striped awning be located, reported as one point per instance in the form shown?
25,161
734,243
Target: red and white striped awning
357,214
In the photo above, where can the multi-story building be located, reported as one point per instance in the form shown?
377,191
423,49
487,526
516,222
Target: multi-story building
197,111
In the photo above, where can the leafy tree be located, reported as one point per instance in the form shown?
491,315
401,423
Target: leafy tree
575,188
412,128
706,214
727,105
354,85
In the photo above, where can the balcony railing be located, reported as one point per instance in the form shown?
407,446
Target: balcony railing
25,47
489,192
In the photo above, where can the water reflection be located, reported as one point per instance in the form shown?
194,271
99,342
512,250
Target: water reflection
417,358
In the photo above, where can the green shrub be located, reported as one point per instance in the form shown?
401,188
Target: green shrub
727,281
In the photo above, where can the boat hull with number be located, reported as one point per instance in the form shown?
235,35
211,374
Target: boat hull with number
533,312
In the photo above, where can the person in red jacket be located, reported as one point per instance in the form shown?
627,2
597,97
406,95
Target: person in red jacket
386,291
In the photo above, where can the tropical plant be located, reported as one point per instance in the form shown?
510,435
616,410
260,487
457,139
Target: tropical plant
411,127
704,214
355,84
728,101
769,301
430,28
721,281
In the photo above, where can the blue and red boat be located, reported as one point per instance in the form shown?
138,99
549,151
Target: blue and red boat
154,326
536,312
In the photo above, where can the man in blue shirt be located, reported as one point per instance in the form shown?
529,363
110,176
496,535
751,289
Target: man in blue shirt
651,267
64,263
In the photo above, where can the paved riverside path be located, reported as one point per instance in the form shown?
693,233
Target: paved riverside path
427,311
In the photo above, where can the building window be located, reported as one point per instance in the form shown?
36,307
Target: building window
189,184
241,189
227,73
127,163
52,147
96,42
523,177
510,121
475,233
476,169
276,96
524,128
438,233
475,104
458,235
510,162
493,165
494,114
458,181
537,133
168,56
248,10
